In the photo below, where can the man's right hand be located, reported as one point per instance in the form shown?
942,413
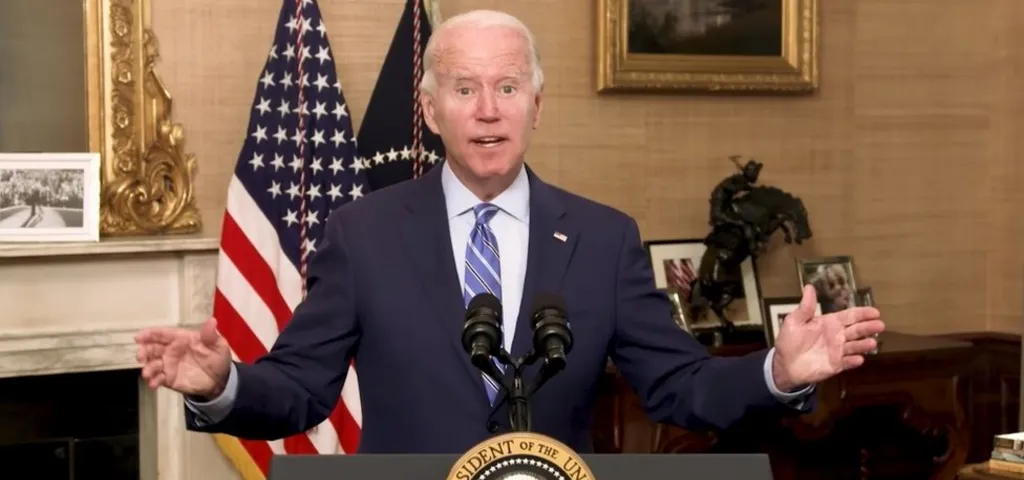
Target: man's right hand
194,363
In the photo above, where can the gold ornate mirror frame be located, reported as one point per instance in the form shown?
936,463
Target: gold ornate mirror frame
147,178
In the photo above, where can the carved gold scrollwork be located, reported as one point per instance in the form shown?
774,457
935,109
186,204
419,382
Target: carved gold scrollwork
148,178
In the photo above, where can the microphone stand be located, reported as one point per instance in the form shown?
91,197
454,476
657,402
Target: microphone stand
519,392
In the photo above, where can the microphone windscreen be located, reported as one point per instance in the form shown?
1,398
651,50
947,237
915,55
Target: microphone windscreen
485,300
546,300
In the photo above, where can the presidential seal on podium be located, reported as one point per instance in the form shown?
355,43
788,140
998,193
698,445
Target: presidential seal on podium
520,456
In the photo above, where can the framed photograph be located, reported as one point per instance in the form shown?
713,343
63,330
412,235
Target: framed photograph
775,311
833,279
865,298
707,45
49,197
677,262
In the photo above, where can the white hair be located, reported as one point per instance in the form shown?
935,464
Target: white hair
480,19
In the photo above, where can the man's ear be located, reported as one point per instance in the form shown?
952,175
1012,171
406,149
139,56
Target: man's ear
538,104
427,105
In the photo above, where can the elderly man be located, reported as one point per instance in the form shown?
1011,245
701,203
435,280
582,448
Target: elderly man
390,283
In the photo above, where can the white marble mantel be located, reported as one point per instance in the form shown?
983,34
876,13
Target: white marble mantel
76,307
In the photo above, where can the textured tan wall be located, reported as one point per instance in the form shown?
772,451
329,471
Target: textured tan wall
906,158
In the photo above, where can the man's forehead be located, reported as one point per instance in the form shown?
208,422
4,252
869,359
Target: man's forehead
482,45
461,64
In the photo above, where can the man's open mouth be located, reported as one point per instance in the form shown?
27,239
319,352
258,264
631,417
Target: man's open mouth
489,141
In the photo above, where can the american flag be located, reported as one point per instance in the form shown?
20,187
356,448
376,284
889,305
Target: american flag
680,275
298,163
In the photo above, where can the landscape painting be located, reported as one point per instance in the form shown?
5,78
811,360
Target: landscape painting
706,27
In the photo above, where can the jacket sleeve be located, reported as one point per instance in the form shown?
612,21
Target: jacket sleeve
675,378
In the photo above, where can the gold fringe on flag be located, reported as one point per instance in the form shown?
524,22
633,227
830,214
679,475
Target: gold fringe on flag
239,457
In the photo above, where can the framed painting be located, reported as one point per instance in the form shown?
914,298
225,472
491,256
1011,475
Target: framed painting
749,46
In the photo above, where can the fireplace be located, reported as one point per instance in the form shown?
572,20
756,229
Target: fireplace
71,401
71,426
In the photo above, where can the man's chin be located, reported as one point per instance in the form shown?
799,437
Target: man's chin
495,167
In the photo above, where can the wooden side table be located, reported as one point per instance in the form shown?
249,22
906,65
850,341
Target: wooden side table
980,471
901,415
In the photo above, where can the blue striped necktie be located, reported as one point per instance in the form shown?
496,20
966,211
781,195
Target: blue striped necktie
483,270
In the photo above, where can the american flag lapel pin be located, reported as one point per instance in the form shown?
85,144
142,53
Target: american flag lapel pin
560,236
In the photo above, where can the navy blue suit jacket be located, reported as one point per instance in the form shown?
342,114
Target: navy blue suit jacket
383,290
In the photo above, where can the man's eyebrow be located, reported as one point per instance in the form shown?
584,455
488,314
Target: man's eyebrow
466,77
458,76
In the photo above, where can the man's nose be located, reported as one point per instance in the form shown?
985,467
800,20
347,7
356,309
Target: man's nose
487,109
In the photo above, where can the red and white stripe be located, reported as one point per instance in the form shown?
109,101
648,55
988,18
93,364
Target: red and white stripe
680,274
257,290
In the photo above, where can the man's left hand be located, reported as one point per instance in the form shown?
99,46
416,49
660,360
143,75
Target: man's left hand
812,348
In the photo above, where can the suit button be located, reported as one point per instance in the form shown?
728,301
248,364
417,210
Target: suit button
492,426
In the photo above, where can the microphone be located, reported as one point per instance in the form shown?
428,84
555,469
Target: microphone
481,334
552,338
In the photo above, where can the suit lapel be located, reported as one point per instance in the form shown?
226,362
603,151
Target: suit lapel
427,239
552,241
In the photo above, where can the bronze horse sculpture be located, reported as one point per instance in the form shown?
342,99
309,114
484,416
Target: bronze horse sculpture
743,218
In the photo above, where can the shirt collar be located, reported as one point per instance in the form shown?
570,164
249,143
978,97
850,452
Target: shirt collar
515,200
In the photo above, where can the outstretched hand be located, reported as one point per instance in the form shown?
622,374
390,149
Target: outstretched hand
812,348
187,361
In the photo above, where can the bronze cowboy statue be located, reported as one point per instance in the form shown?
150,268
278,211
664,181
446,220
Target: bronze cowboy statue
743,217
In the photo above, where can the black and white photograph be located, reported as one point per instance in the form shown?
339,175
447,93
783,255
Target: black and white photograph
49,197
865,297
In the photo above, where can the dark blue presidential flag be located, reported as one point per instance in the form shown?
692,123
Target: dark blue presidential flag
394,142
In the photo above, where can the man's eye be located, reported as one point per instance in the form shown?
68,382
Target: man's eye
508,90
464,91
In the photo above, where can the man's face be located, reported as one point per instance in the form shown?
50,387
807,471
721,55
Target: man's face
838,289
484,106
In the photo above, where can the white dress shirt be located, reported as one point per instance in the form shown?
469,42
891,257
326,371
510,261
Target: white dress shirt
511,227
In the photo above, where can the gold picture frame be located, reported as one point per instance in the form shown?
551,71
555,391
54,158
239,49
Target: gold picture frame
793,69
147,178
